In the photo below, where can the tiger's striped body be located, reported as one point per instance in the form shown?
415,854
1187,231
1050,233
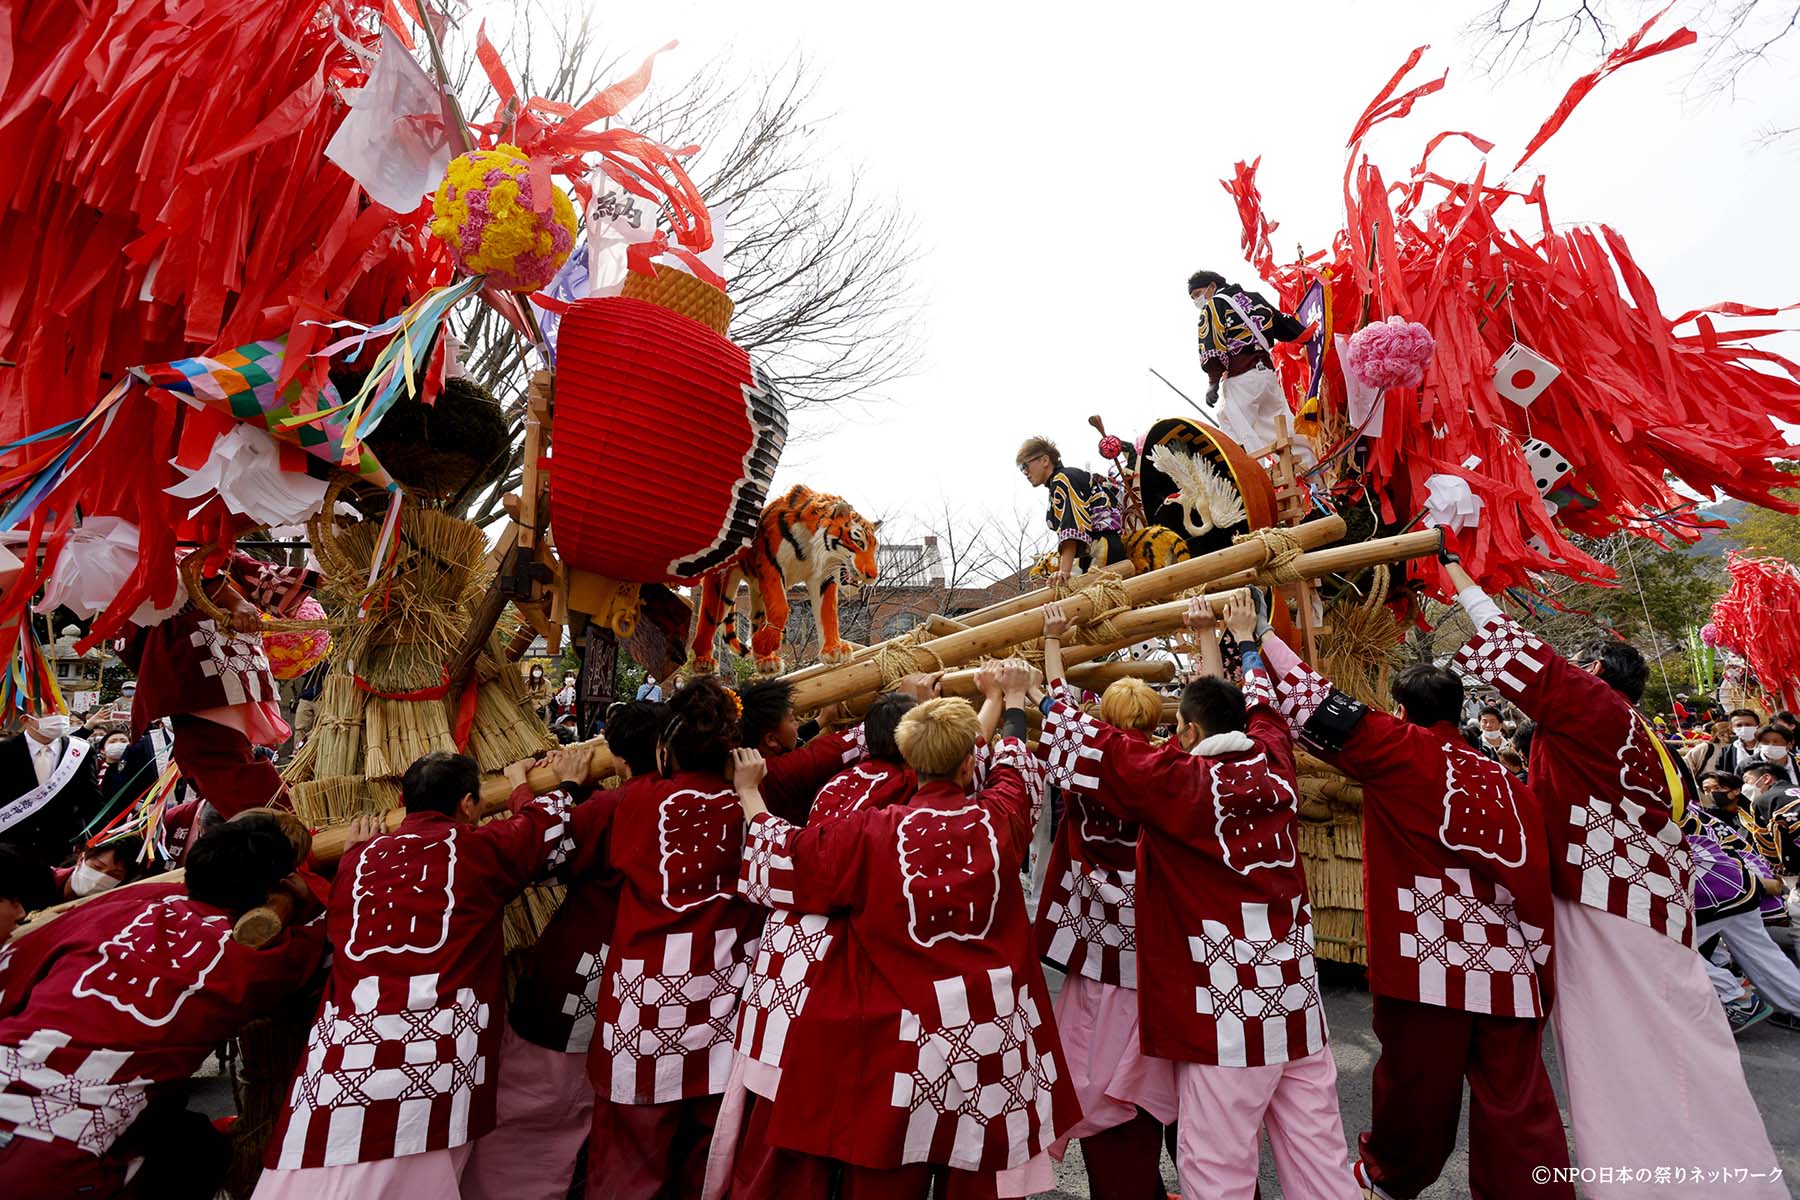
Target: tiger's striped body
1147,548
805,537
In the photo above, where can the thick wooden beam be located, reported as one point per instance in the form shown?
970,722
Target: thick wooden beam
856,678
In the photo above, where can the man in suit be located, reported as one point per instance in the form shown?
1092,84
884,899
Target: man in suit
48,789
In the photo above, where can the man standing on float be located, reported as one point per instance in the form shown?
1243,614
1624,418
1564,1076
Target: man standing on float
1236,330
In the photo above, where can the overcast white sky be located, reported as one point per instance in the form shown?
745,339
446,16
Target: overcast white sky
1062,163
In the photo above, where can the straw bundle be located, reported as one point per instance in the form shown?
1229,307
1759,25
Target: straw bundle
401,731
1364,646
337,736
526,918
1330,841
323,803
268,1051
300,767
1335,882
413,621
505,729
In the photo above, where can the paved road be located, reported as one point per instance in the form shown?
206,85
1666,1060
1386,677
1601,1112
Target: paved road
1771,1063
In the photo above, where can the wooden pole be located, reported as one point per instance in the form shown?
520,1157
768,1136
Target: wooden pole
854,679
1092,675
1097,677
328,844
1037,599
264,923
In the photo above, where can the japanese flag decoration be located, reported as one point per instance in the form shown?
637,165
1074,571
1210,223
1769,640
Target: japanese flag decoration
1522,374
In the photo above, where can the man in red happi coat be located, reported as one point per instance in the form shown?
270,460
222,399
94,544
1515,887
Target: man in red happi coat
124,997
1227,986
1457,903
214,683
1653,1073
787,965
929,1052
797,771
545,1107
680,952
1087,927
399,1074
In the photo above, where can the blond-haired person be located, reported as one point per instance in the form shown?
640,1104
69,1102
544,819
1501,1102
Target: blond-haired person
1087,926
1227,986
931,1055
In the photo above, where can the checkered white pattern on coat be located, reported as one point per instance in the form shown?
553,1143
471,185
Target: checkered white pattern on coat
1011,752
674,1012
1622,864
1070,761
1094,914
1465,931
766,870
81,1100
976,1064
778,988
236,660
395,1050
1261,986
1505,655
1302,693
584,1006
560,835
1258,688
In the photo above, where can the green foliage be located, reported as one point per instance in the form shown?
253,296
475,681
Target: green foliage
1768,532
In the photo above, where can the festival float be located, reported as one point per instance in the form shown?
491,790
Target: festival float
265,376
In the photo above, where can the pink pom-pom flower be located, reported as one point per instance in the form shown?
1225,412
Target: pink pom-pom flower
1111,447
294,652
1709,634
1390,353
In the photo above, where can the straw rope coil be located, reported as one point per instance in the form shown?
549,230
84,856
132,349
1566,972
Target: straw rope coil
898,659
190,568
1283,549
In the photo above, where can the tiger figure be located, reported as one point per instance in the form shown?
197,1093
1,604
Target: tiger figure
1146,548
805,537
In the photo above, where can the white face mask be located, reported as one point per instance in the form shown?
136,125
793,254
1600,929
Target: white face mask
114,751
88,880
1772,754
53,725
1750,792
1493,737
1744,733
1200,302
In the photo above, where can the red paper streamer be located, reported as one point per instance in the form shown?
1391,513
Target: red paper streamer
1759,617
1641,394
1631,51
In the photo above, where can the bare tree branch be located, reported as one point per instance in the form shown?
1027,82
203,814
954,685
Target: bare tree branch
820,273
1735,36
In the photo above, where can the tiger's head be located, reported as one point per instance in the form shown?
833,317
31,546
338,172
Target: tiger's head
850,544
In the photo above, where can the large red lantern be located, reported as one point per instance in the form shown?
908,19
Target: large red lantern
665,440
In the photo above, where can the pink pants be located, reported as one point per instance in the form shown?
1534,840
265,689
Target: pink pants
545,1107
1222,1110
1653,1073
1126,1097
1112,1076
429,1176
